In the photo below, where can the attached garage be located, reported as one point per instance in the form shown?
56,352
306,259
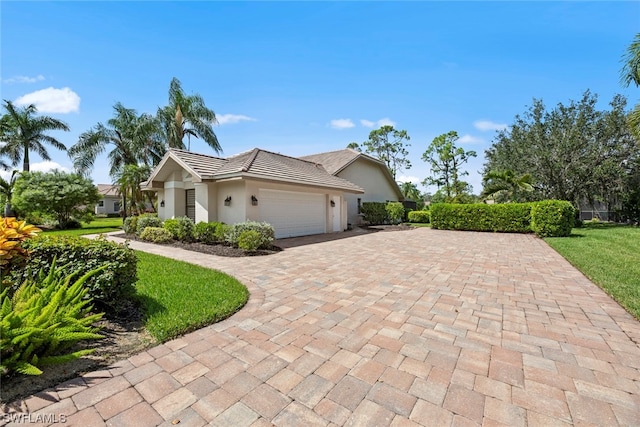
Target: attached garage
293,213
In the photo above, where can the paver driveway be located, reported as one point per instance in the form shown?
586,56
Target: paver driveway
420,327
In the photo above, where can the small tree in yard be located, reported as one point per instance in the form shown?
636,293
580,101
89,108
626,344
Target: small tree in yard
62,195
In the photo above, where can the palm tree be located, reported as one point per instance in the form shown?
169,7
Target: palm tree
503,185
128,181
21,132
134,139
187,115
6,191
410,191
630,73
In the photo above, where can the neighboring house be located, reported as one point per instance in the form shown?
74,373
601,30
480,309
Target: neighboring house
296,196
110,203
367,172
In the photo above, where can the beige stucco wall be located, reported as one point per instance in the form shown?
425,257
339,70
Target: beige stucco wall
236,211
373,181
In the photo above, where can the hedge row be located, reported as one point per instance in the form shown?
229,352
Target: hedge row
548,218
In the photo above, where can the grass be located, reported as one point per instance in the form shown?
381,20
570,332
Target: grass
418,224
97,226
609,255
179,297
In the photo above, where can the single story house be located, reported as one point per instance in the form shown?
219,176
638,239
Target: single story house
298,197
367,172
110,203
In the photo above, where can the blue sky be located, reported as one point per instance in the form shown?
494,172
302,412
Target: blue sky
305,77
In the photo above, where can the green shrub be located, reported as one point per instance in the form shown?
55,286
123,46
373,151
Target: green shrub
374,212
181,228
266,231
209,232
46,317
249,240
552,218
395,212
111,289
147,220
504,217
130,225
156,235
419,216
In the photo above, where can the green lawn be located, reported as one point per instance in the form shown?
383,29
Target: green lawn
179,297
99,225
609,255
418,224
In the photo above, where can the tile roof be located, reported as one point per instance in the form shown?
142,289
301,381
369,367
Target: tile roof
108,190
262,164
335,161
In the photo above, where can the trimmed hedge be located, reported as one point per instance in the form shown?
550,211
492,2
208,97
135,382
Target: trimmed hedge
181,228
249,240
553,217
267,233
374,212
209,232
156,235
111,289
130,225
395,212
419,217
147,220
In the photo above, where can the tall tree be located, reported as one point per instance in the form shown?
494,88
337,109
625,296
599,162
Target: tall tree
387,144
573,152
133,139
21,132
630,73
6,192
446,161
129,180
354,146
506,186
187,115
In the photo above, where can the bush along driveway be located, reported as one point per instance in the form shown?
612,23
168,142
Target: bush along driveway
437,327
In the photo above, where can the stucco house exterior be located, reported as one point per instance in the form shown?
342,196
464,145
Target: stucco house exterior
298,197
110,203
367,172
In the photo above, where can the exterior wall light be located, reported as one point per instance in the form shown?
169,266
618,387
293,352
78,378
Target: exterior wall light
333,204
254,201
227,201
162,204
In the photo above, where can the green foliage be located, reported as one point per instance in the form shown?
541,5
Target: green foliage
179,297
507,217
446,160
62,195
130,225
208,232
387,144
423,217
46,316
156,235
111,288
505,186
266,232
552,218
395,212
181,228
249,240
147,220
374,213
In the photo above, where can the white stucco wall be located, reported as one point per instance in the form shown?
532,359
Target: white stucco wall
373,181
237,210
108,206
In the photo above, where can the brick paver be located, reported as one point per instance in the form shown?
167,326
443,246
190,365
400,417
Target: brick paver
420,327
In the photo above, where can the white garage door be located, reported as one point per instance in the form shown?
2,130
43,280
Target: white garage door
292,213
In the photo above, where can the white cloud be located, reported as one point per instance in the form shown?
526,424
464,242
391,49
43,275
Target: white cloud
486,125
386,122
341,123
229,119
470,139
24,79
52,100
46,166
382,122
408,178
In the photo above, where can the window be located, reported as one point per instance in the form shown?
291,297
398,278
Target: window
359,205
101,203
190,207
116,206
